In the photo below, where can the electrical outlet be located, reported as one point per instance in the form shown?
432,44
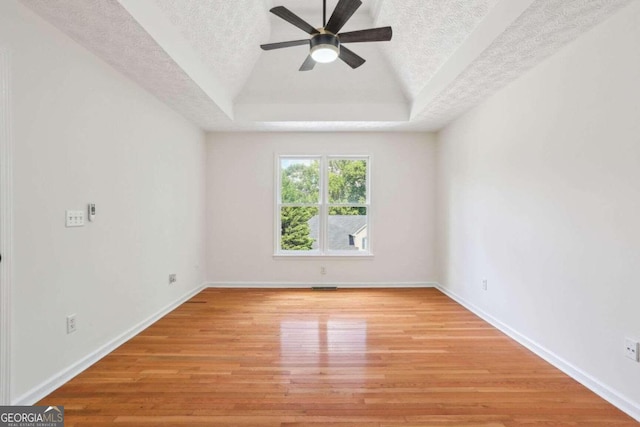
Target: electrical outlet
485,284
173,278
323,270
631,349
71,323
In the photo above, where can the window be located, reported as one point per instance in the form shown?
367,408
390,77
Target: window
322,205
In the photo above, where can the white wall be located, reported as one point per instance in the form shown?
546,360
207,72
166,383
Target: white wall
83,133
240,210
539,192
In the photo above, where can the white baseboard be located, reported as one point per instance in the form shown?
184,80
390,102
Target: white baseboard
48,386
306,285
607,393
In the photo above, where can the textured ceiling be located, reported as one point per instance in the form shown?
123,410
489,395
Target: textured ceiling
202,57
111,33
428,34
546,27
277,91
225,33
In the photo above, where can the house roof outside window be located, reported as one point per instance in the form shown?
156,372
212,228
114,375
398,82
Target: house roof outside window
341,227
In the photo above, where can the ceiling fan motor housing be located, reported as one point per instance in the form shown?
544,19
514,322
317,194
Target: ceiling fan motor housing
325,47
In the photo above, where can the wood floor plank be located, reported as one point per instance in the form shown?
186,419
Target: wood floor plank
366,357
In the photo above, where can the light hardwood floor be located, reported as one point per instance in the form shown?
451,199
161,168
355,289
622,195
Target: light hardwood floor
384,357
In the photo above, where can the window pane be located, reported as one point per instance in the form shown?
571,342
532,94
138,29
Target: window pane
347,181
299,228
300,181
347,229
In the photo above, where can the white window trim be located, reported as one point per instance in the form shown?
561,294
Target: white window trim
323,205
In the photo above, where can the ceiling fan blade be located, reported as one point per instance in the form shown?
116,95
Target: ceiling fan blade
382,34
294,19
343,11
280,45
308,64
353,60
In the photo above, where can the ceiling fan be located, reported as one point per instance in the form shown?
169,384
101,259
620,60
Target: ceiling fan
326,43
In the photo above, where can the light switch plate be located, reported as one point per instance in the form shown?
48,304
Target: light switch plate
75,218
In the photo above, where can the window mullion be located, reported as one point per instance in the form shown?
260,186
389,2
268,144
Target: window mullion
324,212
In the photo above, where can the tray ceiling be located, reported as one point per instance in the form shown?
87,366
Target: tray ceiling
202,57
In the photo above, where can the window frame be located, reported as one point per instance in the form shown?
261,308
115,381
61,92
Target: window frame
323,206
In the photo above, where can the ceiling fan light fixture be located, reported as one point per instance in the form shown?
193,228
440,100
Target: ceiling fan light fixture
325,53
325,48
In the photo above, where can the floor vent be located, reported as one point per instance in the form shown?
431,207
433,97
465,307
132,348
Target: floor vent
324,288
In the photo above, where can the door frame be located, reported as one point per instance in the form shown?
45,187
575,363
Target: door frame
6,224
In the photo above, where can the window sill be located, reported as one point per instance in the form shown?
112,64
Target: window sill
317,256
